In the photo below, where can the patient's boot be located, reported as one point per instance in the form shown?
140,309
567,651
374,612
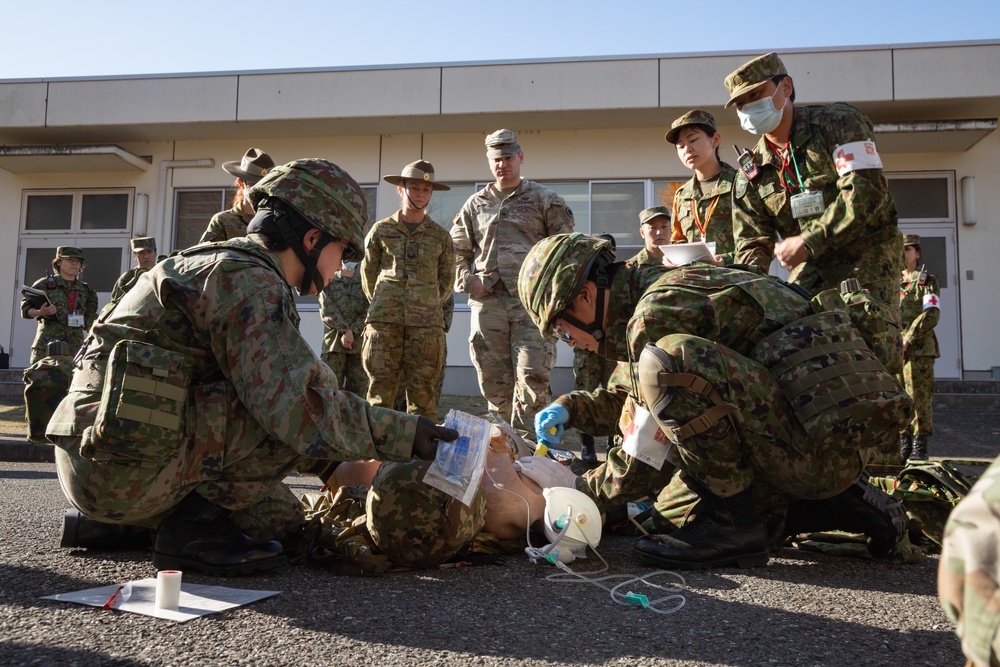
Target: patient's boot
79,530
588,451
905,446
861,508
201,536
919,448
727,533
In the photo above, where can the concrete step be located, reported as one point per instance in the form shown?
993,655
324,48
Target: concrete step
982,395
12,388
967,387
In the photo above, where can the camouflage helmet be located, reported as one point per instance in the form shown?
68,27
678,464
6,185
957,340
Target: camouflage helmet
323,193
413,523
554,272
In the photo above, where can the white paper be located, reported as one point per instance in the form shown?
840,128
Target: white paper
685,253
196,599
645,441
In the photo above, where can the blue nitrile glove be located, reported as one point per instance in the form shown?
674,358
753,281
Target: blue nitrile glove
553,416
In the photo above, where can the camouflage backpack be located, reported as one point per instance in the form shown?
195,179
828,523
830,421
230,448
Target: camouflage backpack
46,383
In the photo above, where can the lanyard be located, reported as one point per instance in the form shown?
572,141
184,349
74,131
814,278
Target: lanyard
72,299
786,166
708,216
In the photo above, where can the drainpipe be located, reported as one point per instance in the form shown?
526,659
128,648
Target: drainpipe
161,202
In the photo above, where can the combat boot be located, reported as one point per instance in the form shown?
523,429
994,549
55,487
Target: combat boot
79,530
861,508
919,449
201,536
729,533
588,451
905,446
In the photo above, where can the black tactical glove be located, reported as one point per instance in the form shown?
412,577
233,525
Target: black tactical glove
425,442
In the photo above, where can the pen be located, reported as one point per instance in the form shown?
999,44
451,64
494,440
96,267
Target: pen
110,604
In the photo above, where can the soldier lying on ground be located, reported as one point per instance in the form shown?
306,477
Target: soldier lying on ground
213,396
739,442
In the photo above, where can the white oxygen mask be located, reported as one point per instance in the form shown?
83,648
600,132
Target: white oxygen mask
572,522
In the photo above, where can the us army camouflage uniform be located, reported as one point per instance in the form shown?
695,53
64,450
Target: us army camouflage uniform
126,281
260,403
855,236
407,277
921,346
713,317
226,225
343,306
68,297
969,571
447,314
715,211
591,370
492,234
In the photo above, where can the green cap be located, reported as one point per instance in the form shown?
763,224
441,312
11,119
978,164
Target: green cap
653,212
911,239
693,117
69,251
421,170
143,243
553,273
502,143
752,75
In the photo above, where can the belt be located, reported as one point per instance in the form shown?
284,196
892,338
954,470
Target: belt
89,376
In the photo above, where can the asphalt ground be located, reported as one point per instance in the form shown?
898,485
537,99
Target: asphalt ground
804,608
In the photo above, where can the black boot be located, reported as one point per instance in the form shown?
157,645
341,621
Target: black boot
588,451
919,449
200,536
862,508
729,533
905,446
79,530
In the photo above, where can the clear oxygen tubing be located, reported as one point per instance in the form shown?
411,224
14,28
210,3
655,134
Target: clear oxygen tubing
568,576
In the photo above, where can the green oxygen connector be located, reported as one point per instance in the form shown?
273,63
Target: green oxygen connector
637,599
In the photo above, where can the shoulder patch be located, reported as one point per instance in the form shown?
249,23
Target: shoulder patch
740,185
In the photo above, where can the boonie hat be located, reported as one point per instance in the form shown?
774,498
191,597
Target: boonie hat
693,117
752,75
502,143
69,251
421,170
253,167
653,212
143,243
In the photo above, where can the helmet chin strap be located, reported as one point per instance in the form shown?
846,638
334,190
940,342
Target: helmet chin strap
308,259
595,328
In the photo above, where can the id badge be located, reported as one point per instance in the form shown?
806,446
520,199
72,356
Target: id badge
645,441
807,204
75,320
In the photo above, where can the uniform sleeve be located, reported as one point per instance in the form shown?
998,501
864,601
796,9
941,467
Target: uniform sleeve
360,302
291,393
90,308
464,247
852,216
446,270
332,318
753,228
558,216
214,232
923,324
371,265
25,306
595,412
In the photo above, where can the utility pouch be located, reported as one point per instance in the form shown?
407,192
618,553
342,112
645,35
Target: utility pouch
142,413
879,328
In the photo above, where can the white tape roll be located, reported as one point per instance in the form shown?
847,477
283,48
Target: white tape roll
168,589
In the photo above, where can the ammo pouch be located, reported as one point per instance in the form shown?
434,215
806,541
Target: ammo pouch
879,328
839,391
141,417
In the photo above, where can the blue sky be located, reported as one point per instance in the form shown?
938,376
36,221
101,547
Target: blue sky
57,38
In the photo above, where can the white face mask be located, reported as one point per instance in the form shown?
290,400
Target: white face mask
760,117
350,266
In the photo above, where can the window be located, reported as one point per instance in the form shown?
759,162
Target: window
77,211
193,209
924,197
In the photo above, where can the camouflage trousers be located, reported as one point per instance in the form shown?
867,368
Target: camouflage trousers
768,449
969,572
511,358
918,380
398,357
349,370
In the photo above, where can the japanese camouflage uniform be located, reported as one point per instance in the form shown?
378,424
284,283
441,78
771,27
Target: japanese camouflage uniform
920,303
242,399
224,225
643,258
833,149
969,572
75,298
407,277
492,233
127,280
343,306
45,384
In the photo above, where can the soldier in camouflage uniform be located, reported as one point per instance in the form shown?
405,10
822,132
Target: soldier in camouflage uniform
343,307
710,317
920,300
71,307
815,178
407,274
654,228
217,396
232,223
492,233
969,572
703,207
144,254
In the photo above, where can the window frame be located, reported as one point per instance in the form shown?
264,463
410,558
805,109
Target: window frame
76,211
